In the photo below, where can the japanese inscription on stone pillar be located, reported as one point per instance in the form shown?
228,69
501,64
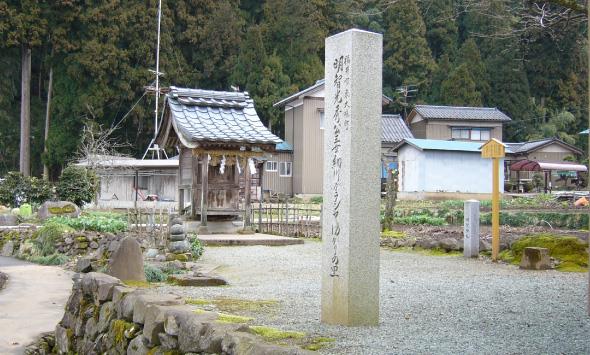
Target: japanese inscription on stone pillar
352,142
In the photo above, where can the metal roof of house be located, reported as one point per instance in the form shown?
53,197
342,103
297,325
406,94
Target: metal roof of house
216,116
586,131
461,113
284,147
433,144
526,147
318,85
394,129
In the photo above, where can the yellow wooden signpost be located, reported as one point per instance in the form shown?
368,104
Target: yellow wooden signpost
495,150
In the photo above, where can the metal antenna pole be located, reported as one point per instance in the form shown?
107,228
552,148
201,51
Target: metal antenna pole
158,68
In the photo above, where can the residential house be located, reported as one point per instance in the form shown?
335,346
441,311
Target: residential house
304,127
135,183
549,150
438,169
456,123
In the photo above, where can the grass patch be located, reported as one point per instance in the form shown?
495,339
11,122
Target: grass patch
137,284
232,305
570,251
274,334
428,252
393,234
53,259
420,219
232,318
318,343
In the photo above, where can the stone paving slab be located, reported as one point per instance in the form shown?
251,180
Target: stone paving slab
248,239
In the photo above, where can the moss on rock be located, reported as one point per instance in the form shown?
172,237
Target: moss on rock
570,251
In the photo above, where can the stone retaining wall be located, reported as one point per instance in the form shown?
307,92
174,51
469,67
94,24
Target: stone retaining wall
104,316
78,243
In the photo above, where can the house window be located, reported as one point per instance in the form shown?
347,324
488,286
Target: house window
474,134
285,169
322,120
271,166
460,133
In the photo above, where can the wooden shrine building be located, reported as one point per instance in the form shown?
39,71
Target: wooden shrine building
217,135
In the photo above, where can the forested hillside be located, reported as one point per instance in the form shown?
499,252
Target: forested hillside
528,58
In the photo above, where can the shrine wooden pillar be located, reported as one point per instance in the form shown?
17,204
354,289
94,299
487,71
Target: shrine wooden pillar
247,191
195,196
204,188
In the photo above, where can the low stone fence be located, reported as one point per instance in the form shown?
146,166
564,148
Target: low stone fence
94,246
105,316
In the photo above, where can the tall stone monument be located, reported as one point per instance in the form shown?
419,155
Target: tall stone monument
352,143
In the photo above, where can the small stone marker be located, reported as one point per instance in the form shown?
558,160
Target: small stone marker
8,248
471,229
534,258
350,229
57,208
127,262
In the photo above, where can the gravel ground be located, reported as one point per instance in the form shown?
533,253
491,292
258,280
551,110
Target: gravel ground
429,304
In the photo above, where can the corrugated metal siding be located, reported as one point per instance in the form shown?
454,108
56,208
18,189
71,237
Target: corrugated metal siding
289,115
298,149
313,162
272,181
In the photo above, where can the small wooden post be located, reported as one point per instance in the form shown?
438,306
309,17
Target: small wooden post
260,214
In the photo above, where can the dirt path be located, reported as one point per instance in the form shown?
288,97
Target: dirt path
31,303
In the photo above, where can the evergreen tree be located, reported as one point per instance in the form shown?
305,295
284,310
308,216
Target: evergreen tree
295,32
459,89
262,76
441,27
469,55
407,57
23,25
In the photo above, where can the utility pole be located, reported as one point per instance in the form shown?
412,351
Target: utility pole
407,91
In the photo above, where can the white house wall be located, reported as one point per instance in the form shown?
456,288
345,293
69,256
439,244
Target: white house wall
446,171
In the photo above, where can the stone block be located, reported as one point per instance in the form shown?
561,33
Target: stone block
127,261
137,346
106,315
153,324
63,339
7,219
143,301
450,244
200,280
177,317
125,306
84,265
168,342
244,343
58,208
177,229
534,258
8,248
177,237
179,247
